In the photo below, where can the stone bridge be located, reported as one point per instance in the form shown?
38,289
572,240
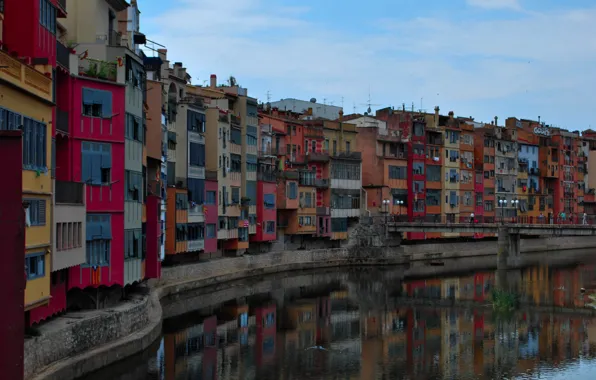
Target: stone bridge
508,233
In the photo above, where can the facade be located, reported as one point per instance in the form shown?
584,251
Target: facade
28,104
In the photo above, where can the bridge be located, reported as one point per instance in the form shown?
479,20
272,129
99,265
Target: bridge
508,233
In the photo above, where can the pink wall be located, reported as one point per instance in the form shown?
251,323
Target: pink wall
24,34
211,217
100,199
264,214
57,303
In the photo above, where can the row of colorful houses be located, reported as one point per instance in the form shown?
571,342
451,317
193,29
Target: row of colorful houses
126,164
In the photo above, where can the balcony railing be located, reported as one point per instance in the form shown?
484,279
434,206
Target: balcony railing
26,77
267,177
290,174
234,119
62,55
322,183
348,155
62,120
70,192
322,156
94,68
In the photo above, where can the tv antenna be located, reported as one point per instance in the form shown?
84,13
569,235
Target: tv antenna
268,96
369,104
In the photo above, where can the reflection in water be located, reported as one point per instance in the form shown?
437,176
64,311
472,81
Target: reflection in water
376,325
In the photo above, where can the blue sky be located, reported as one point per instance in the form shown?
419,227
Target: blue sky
480,58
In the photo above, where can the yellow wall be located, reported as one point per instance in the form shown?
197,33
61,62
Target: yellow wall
35,185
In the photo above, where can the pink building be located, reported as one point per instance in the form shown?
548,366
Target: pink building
92,152
210,212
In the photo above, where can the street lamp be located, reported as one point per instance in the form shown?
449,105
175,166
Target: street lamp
386,203
399,204
502,204
514,203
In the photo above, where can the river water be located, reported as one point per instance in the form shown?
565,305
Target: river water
376,324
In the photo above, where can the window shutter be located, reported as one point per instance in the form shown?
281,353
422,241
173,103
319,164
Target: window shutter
106,157
106,227
96,168
41,221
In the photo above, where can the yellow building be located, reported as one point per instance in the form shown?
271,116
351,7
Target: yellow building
26,103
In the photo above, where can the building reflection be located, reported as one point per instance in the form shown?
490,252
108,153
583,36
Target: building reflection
261,339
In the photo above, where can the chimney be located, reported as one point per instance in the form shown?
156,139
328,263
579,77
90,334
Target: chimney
437,109
309,112
450,115
496,120
213,82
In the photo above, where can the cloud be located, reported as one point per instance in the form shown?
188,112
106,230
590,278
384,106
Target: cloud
497,67
495,4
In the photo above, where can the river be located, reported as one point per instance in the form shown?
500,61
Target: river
375,324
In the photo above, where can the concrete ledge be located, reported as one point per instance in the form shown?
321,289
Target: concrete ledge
68,350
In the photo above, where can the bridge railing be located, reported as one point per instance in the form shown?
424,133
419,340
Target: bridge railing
481,219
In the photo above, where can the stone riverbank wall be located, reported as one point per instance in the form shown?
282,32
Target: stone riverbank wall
80,343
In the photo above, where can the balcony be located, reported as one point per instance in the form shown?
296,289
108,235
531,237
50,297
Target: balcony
290,174
313,132
322,183
223,118
348,156
297,158
94,68
235,120
70,192
62,120
322,156
154,188
62,55
323,211
25,77
266,177
389,135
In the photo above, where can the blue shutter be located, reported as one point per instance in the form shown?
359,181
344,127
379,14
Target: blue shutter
88,96
44,145
201,154
96,168
106,156
107,104
92,227
106,227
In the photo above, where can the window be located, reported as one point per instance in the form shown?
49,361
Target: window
468,199
453,176
47,15
307,200
236,136
196,190
398,172
339,224
466,176
210,197
132,244
347,147
251,163
235,195
210,231
433,197
236,165
418,186
270,227
196,154
97,103
68,235
269,201
345,201
96,163
196,231
181,201
36,212
418,168
133,183
345,171
418,206
292,190
134,128
9,121
251,135
195,121
34,145
232,223
35,265
478,199
433,173
488,205
99,236
181,232
418,129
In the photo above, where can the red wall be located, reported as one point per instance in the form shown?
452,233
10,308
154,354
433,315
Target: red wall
12,270
211,217
264,214
24,34
57,303
100,199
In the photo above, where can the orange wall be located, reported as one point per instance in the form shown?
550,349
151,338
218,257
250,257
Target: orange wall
154,133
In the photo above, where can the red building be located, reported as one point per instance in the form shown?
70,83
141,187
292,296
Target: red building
266,213
93,153
12,270
210,212
27,35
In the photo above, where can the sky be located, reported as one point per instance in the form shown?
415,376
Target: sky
479,58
